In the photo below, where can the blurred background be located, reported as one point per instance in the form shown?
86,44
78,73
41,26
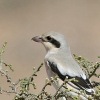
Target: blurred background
20,20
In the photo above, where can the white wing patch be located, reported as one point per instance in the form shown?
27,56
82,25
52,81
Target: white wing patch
83,76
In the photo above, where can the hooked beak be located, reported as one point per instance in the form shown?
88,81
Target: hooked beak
37,39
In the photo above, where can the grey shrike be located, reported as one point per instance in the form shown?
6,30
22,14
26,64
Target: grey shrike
59,61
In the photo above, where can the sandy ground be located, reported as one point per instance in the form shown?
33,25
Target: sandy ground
20,20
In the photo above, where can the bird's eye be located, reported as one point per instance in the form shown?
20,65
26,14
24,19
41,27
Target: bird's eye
49,38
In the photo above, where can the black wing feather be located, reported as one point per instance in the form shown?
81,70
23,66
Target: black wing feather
54,68
81,83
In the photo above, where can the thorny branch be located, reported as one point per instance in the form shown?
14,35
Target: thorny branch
21,88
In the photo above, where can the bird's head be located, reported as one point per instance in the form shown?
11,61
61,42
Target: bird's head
51,40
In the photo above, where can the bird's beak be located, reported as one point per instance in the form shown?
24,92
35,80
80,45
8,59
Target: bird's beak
37,39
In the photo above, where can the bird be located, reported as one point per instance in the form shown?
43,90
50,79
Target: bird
60,61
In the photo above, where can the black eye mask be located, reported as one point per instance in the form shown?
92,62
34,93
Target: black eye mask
53,41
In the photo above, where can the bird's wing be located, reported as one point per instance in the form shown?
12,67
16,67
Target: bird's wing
55,69
83,84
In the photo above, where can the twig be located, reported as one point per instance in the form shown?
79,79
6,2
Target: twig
94,70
